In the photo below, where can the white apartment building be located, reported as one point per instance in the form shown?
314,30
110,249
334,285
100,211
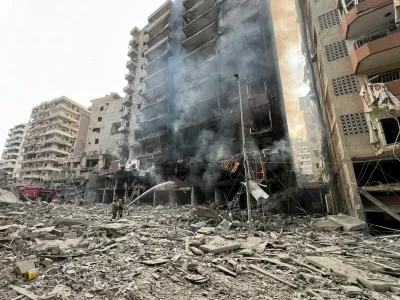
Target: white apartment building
11,156
57,131
302,157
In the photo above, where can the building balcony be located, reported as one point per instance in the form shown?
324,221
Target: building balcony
131,65
57,141
127,101
198,122
202,70
53,149
189,4
135,32
126,113
158,120
62,115
57,131
13,147
124,129
391,80
152,135
155,16
362,16
11,159
159,36
156,92
134,42
153,103
149,154
199,17
160,63
259,106
376,49
157,50
156,27
130,76
128,89
201,37
133,53
156,78
201,54
122,143
65,107
207,88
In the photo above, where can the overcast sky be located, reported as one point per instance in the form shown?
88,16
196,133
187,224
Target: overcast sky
50,48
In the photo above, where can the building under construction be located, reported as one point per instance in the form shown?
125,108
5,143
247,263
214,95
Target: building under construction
182,108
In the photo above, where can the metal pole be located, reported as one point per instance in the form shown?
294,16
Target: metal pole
245,158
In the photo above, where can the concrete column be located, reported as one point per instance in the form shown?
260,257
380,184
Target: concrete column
218,200
104,195
172,197
193,198
155,197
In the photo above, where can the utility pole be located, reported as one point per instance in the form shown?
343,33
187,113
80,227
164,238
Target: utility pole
245,158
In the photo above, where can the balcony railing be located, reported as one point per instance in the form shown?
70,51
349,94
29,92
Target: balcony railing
385,77
349,4
376,35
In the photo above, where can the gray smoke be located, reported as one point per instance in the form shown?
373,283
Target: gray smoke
197,94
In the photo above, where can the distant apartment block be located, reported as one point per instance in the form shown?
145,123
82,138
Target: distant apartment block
11,156
104,140
302,159
55,135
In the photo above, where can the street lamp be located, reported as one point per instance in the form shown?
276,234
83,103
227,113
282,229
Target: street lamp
245,159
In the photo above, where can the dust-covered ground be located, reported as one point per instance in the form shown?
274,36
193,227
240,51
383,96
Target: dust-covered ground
150,254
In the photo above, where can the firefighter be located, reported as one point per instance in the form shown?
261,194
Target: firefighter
114,209
120,208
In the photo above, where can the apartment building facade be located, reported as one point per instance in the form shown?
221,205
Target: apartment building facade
302,159
11,156
182,102
56,134
103,141
353,50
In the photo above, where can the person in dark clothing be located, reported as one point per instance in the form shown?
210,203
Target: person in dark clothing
120,208
114,209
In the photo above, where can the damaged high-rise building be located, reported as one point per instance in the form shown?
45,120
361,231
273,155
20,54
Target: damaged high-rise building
181,109
353,55
10,163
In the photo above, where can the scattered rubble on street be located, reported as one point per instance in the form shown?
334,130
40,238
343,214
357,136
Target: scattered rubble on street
172,253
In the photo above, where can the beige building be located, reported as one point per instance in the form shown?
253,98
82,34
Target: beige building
55,136
353,47
11,156
314,133
104,134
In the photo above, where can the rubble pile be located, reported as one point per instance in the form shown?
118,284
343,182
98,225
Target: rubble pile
77,252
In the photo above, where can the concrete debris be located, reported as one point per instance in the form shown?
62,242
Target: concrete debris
224,225
8,198
196,251
349,223
24,292
25,266
246,252
140,257
206,212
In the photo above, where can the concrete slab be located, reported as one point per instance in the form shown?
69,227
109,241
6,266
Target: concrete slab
348,223
349,272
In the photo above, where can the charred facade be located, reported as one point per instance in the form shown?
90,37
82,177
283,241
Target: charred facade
181,110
